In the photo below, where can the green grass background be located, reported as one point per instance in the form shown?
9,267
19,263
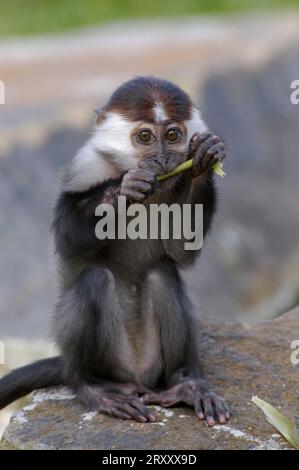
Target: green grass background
28,17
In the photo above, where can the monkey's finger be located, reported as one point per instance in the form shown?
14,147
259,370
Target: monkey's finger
209,145
221,154
116,412
120,413
201,136
140,186
206,153
227,410
193,146
198,409
144,410
209,412
212,155
206,136
197,141
140,174
135,413
220,410
210,161
133,195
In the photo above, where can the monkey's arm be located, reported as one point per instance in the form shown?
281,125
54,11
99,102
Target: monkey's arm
74,216
204,192
206,149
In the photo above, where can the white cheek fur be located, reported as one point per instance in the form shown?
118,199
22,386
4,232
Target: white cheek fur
113,137
105,155
109,151
195,124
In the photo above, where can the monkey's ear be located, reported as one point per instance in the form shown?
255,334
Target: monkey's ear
100,112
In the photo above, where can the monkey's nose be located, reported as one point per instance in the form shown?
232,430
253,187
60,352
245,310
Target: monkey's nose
172,161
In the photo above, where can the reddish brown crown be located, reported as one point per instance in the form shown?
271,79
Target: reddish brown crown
137,98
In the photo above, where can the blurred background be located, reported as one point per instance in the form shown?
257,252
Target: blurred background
60,59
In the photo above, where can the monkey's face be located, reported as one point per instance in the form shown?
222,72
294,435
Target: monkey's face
160,147
147,123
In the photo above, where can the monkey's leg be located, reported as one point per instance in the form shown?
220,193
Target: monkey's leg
179,339
91,335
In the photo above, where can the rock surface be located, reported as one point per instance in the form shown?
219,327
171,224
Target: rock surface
240,362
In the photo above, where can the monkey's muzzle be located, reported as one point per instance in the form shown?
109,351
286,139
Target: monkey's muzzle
161,163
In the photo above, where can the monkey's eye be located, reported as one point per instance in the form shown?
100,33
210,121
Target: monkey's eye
173,135
145,136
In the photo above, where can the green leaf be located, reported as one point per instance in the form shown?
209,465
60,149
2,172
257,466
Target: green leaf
282,423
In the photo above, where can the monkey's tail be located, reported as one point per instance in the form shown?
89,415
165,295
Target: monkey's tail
20,382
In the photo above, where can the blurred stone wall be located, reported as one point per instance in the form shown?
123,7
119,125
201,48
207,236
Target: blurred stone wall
251,265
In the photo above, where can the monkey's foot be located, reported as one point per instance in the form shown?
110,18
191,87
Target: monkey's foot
123,403
206,149
125,407
195,393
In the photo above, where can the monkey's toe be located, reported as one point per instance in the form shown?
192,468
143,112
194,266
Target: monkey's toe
213,410
125,407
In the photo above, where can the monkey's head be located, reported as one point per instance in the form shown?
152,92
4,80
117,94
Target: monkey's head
147,123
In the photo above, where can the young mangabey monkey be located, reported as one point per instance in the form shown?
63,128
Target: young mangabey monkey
124,324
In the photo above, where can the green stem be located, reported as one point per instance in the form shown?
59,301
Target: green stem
186,166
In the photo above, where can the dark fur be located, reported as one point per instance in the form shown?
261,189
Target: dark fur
87,323
86,298
20,382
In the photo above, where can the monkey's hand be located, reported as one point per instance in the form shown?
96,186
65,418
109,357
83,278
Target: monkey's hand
195,393
138,184
206,149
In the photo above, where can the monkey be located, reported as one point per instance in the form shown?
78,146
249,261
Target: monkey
127,332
